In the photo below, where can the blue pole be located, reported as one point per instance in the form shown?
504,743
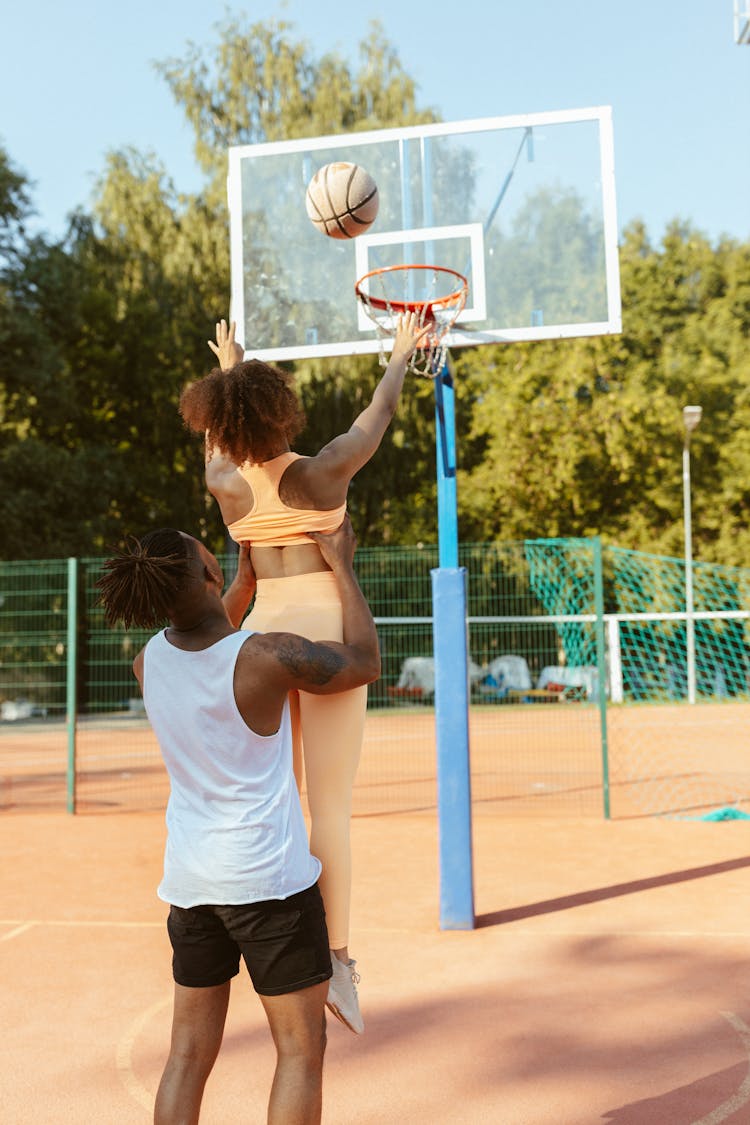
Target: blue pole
451,681
445,425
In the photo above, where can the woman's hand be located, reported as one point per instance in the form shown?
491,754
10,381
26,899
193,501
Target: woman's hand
410,334
226,349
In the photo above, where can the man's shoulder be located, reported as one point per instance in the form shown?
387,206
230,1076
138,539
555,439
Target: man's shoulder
261,644
286,650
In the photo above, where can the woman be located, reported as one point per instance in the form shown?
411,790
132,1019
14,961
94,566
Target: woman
270,497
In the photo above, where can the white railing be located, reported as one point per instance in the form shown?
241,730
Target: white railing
614,677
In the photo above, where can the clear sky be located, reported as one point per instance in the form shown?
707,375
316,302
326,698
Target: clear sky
77,80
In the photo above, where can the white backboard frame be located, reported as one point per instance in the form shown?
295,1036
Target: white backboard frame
358,143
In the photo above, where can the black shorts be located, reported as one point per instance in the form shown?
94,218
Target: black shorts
284,943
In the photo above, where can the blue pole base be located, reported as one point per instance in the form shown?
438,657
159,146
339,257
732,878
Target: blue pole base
452,740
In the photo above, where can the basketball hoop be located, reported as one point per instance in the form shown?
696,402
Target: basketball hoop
435,293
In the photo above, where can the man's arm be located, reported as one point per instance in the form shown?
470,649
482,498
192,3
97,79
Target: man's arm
320,667
138,668
241,591
325,667
272,664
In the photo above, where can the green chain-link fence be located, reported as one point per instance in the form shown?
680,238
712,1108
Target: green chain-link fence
578,656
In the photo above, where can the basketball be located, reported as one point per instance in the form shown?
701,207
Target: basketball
342,200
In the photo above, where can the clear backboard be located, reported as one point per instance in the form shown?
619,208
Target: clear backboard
523,206
742,21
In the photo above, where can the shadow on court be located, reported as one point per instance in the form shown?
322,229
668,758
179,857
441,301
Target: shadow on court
568,902
562,1032
700,1103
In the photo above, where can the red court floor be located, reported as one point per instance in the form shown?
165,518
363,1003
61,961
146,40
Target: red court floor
607,980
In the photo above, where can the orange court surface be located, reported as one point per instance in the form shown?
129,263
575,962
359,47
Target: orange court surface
607,979
526,760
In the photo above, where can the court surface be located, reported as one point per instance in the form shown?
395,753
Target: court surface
526,760
607,981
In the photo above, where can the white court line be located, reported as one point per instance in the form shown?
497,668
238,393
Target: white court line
742,1097
501,929
20,928
88,923
139,1093
510,929
124,1055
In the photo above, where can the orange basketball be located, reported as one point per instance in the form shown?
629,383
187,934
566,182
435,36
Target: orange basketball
342,200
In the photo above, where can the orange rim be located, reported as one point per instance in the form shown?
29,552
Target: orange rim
425,307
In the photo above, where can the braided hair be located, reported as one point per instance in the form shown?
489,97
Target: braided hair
140,583
243,411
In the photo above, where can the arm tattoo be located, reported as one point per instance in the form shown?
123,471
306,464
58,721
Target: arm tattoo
315,663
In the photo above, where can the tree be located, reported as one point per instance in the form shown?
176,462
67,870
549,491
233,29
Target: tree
262,85
15,208
100,330
257,84
108,325
584,436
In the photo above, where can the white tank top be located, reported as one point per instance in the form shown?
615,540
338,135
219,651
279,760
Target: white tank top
235,829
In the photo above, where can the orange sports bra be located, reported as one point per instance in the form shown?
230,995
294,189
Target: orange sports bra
270,522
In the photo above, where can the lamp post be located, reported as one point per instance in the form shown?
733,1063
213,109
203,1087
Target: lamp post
691,416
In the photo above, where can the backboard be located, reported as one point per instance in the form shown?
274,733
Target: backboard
742,21
523,206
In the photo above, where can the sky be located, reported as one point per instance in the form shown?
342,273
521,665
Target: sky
78,80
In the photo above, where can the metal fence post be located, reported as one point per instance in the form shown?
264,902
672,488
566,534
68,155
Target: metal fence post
614,663
601,665
71,684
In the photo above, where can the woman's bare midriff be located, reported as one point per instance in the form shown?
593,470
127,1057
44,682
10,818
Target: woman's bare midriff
284,562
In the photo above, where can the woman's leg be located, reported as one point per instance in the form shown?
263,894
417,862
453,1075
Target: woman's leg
270,613
332,730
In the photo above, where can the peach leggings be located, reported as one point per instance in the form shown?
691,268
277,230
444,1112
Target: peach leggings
328,732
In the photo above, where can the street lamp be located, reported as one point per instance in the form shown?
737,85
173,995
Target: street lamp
691,416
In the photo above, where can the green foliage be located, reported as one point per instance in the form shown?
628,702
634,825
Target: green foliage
15,206
553,237
91,445
393,498
262,85
100,331
584,437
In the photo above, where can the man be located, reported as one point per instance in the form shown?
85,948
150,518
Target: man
238,872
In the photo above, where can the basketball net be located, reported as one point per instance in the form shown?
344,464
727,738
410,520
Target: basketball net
386,294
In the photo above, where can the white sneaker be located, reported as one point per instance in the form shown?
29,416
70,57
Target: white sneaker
342,994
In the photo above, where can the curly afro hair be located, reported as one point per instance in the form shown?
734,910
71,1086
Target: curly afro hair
245,412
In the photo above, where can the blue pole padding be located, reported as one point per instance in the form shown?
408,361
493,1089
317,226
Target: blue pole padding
445,421
452,739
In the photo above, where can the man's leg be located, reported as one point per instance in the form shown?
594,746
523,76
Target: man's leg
197,1029
297,1022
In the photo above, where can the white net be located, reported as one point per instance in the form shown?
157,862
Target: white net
436,294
